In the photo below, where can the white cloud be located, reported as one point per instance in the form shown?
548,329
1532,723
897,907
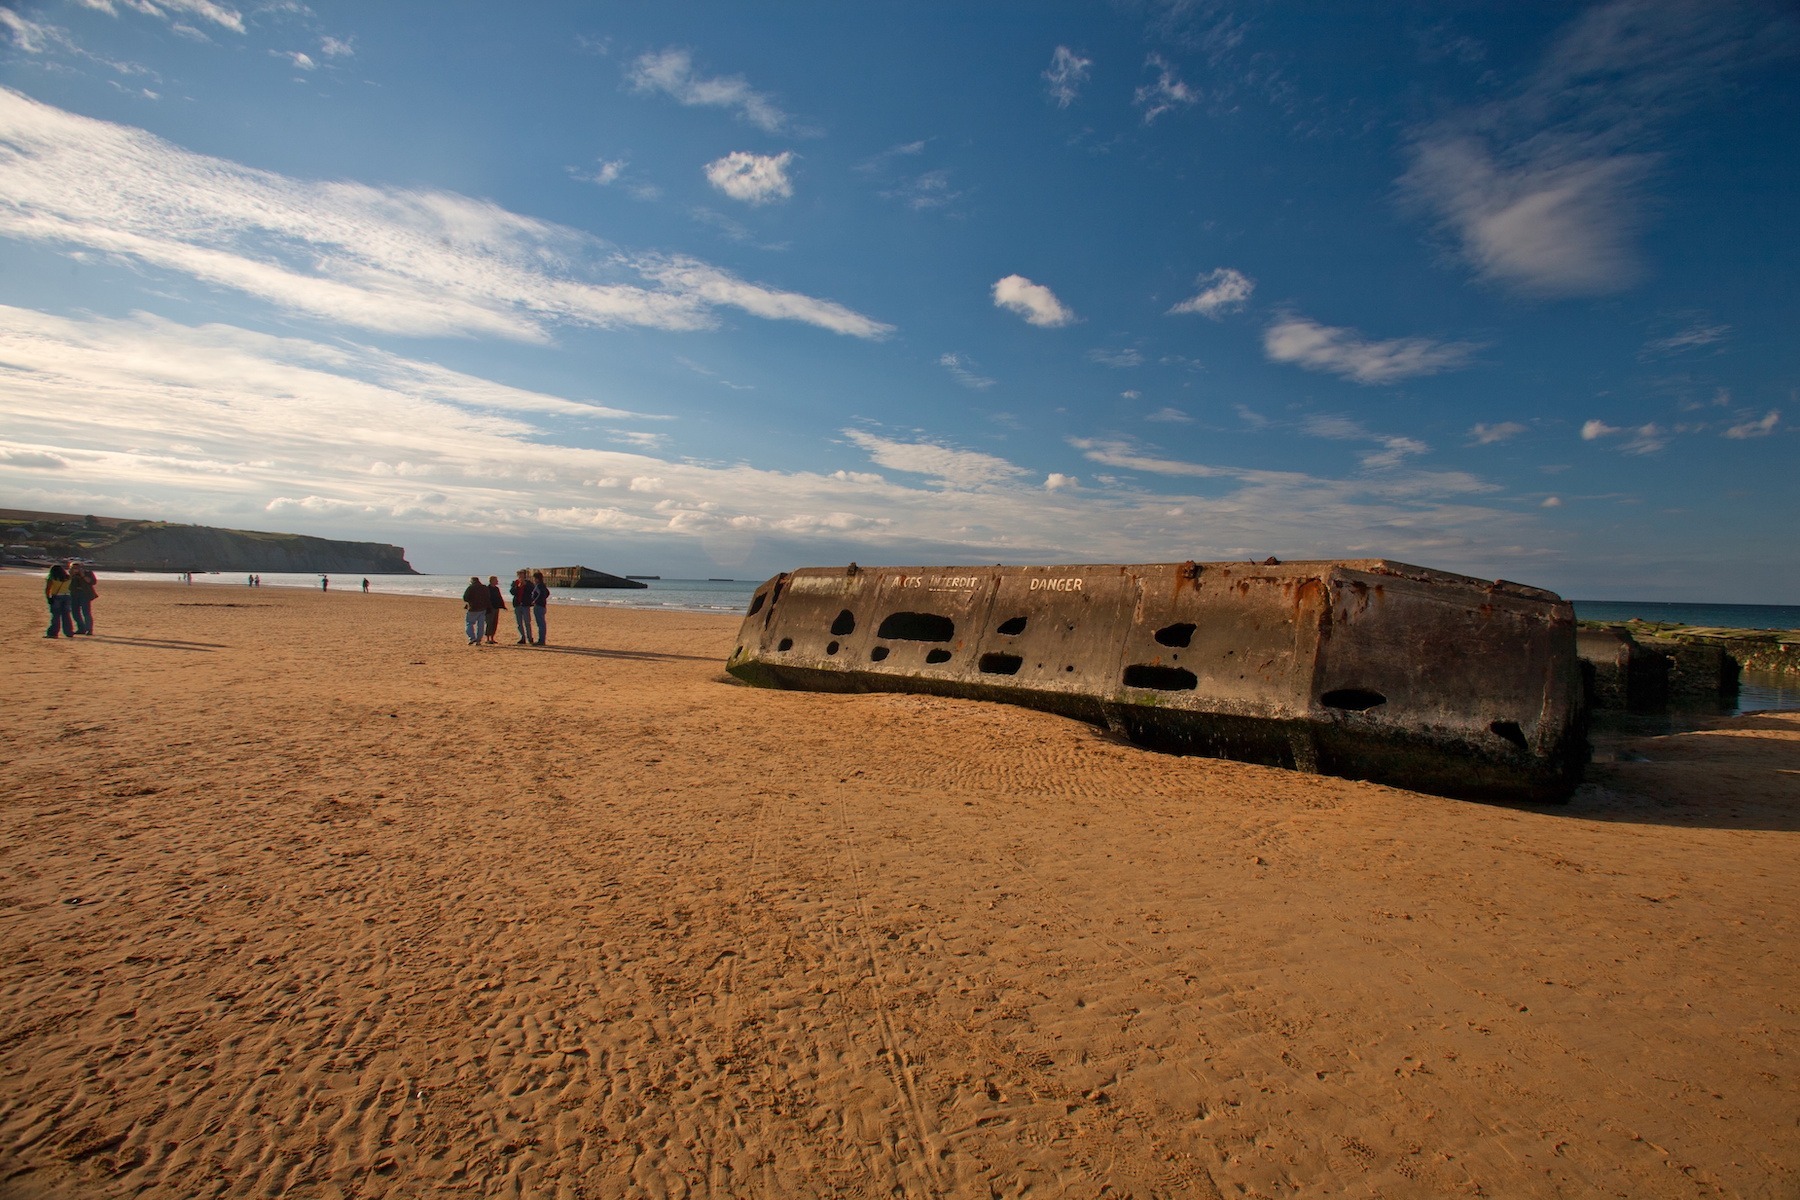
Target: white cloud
1346,353
1171,415
1551,502
1543,190
302,61
1642,439
952,468
1065,75
752,178
672,73
1547,227
204,423
1487,435
608,172
927,190
1700,333
1129,357
32,460
964,370
1221,291
336,47
1056,481
1394,448
1755,429
29,36
386,259
1033,301
1166,94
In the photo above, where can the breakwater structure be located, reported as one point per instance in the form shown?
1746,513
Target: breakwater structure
586,577
1368,669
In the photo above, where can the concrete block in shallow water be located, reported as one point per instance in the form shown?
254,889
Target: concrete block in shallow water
1367,669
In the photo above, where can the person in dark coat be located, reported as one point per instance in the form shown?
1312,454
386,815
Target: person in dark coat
83,587
521,598
540,599
496,606
475,610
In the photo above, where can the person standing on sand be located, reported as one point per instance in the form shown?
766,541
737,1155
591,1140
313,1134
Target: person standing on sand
56,594
475,606
324,583
496,606
540,599
521,598
83,587
365,587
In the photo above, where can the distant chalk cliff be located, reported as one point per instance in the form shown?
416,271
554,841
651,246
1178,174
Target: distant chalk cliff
122,544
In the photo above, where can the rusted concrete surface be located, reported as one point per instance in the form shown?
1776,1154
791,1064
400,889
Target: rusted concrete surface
1368,669
586,577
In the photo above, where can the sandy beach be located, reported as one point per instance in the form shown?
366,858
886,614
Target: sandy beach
302,896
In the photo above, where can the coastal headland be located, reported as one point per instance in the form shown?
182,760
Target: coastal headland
128,544
301,895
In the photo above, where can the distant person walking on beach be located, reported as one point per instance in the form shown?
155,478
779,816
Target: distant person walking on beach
83,587
56,594
521,598
365,587
475,605
540,599
496,606
324,583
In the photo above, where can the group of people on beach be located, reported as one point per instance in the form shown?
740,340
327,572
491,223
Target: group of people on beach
70,589
484,602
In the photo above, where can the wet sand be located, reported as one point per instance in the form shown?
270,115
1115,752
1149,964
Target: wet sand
300,895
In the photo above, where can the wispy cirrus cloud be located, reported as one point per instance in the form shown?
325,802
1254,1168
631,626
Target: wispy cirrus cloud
944,465
1761,427
1482,434
962,368
1166,94
1639,439
1221,291
1691,337
201,423
385,259
1033,301
1346,353
753,178
1545,190
671,72
1065,75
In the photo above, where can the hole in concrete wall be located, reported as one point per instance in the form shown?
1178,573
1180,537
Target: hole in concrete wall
1012,627
937,656
878,653
756,604
831,648
1179,634
1352,699
917,627
1162,679
740,653
845,625
1000,664
785,644
1511,732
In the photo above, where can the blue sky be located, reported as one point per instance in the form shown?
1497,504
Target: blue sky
711,289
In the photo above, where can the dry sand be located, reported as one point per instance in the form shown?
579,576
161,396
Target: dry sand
303,896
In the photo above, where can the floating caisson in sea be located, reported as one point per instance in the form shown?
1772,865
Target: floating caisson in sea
1367,669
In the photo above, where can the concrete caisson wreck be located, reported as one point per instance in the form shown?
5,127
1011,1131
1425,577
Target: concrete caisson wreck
1367,669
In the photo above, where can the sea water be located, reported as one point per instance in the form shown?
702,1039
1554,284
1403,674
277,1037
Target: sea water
682,595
